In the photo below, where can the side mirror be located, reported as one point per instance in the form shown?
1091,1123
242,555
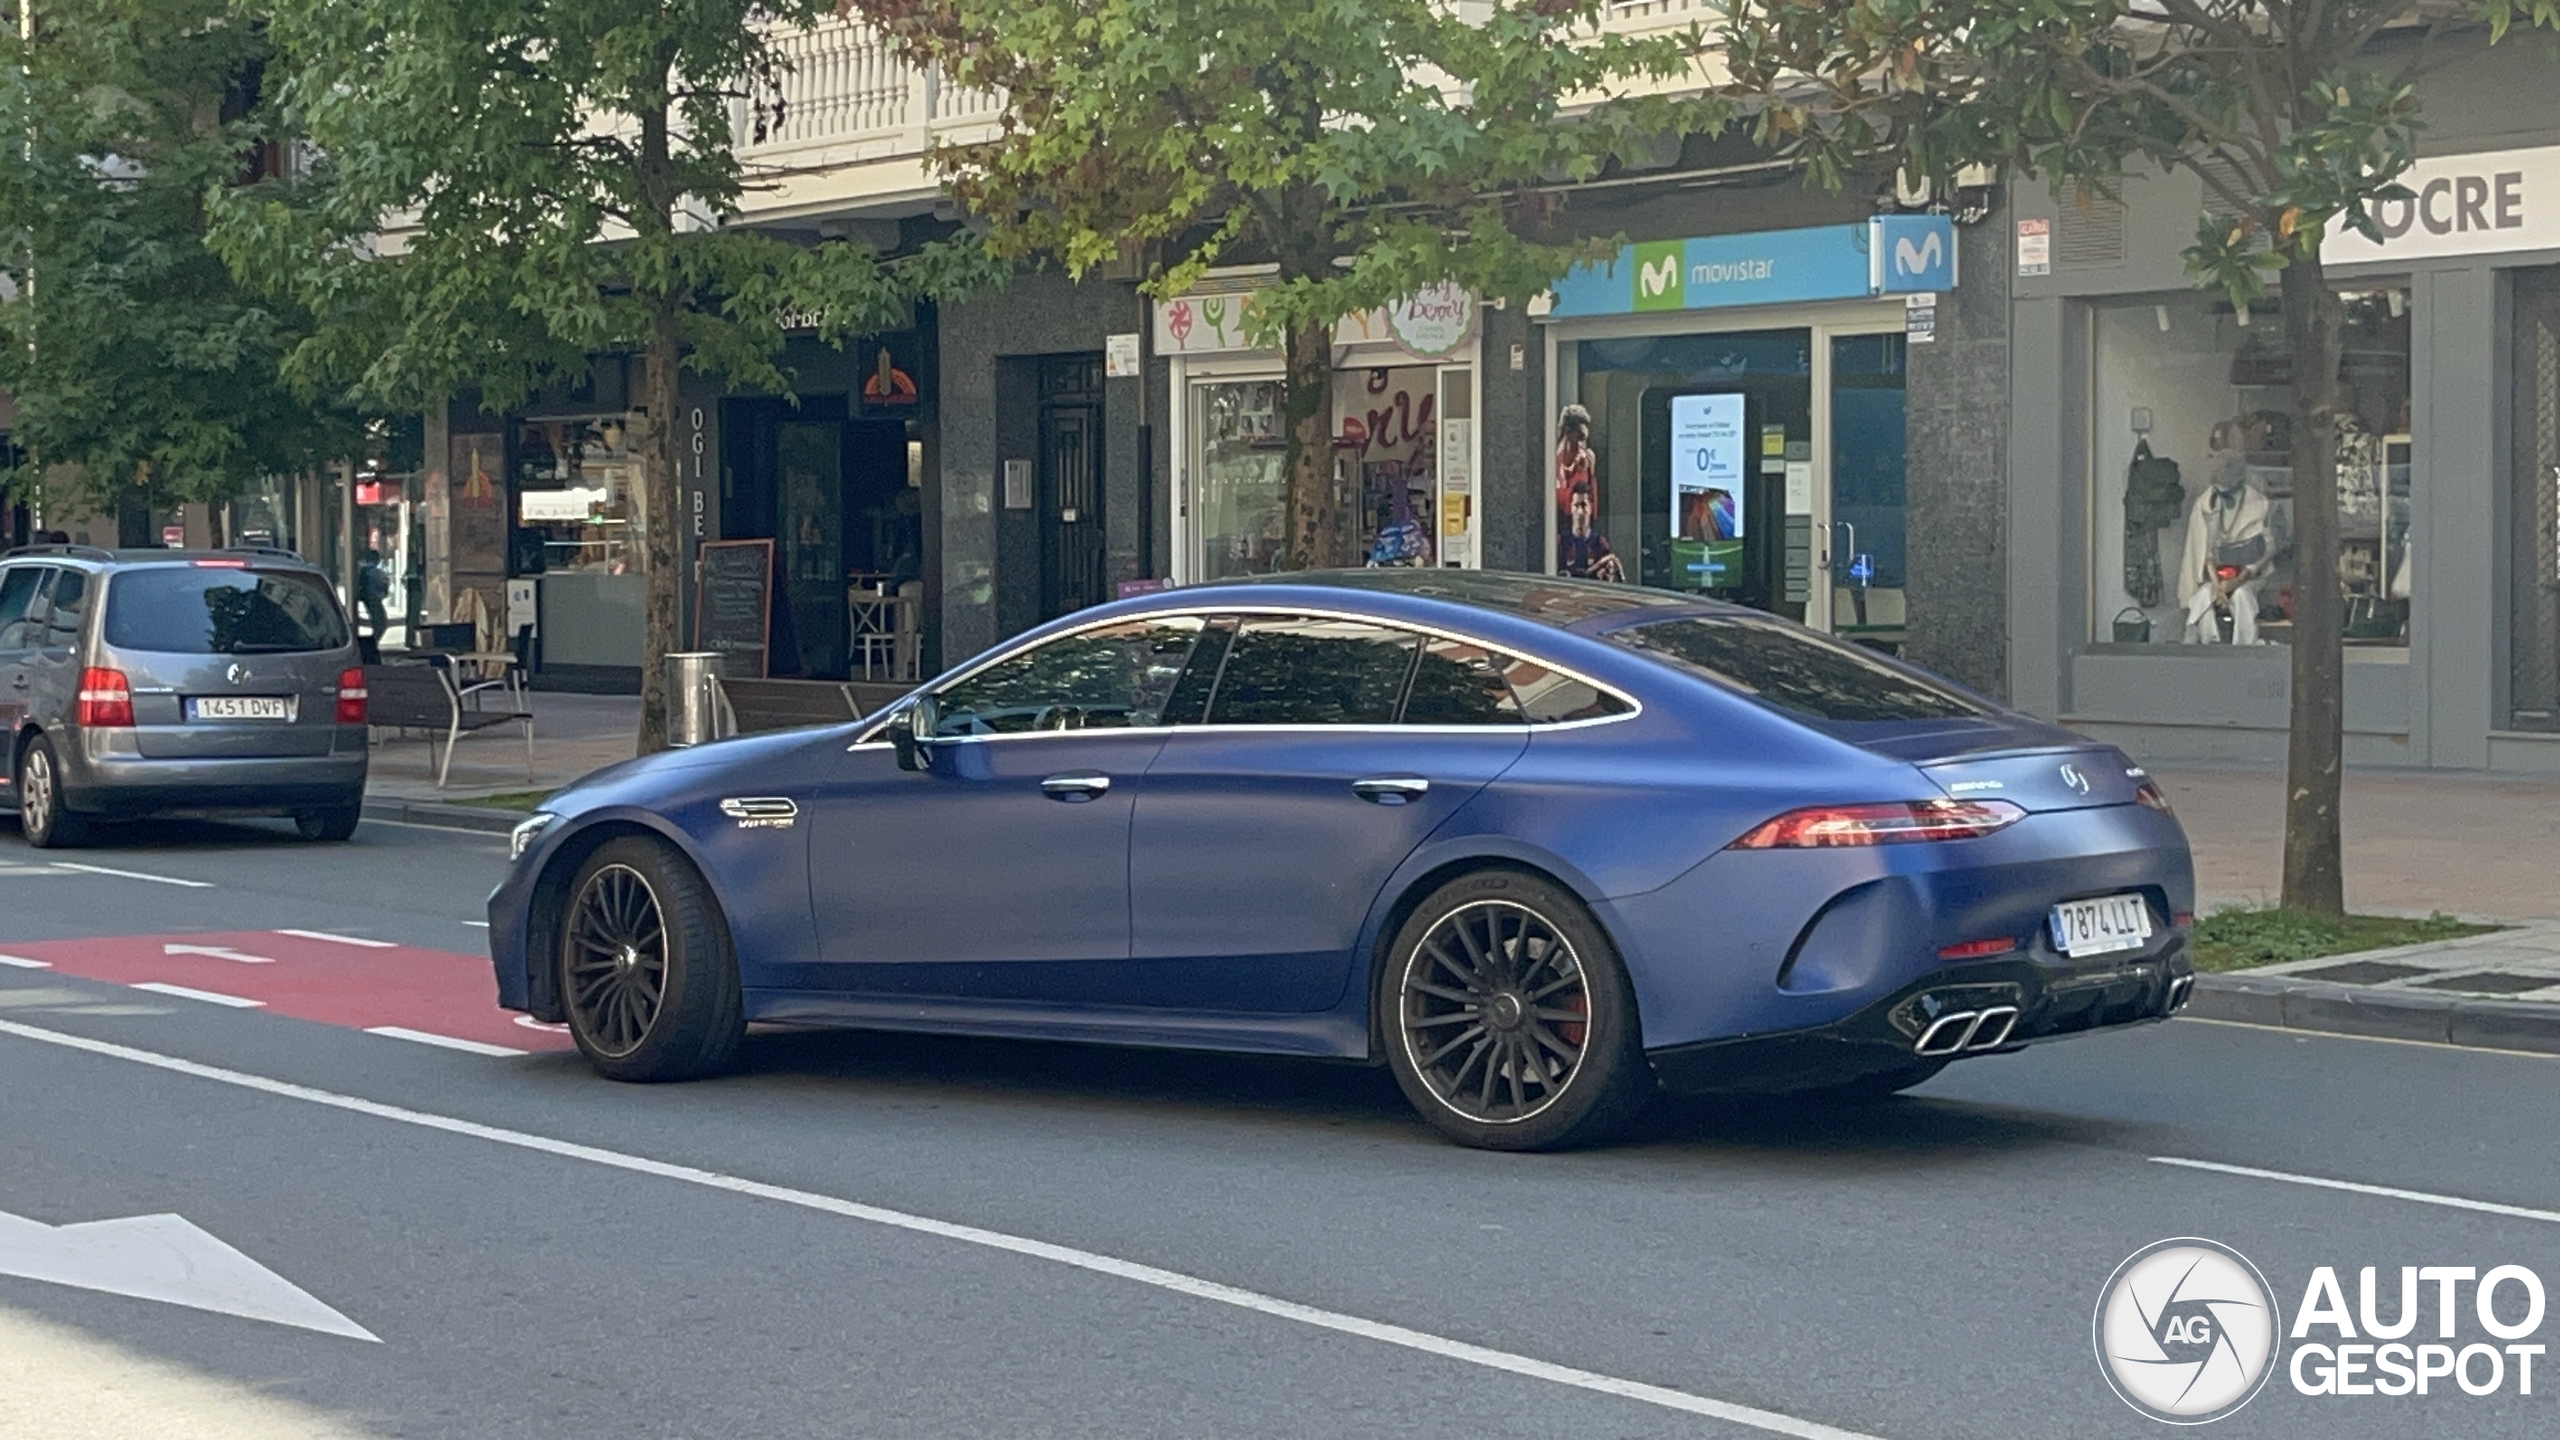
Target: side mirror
911,731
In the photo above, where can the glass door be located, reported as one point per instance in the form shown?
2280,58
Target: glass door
1866,515
1239,502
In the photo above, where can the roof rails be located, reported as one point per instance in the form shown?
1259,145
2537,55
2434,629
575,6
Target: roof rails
262,550
84,552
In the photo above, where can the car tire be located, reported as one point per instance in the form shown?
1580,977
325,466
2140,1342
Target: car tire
1509,1020
329,824
42,818
648,978
1878,1085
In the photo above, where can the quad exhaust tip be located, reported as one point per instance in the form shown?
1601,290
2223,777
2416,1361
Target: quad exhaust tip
2181,990
1967,1030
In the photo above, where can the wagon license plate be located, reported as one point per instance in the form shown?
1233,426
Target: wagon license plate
243,707
2102,926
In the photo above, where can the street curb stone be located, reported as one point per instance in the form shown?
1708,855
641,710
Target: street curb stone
2386,1014
449,817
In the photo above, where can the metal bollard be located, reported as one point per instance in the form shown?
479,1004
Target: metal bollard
695,704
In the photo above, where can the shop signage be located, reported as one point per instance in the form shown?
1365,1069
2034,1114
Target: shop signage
1435,322
1889,255
733,606
2462,205
1120,356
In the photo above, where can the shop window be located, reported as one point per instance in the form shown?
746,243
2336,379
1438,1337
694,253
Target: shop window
1241,514
2533,632
579,498
2192,525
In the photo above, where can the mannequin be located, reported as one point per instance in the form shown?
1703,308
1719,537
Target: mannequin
2228,550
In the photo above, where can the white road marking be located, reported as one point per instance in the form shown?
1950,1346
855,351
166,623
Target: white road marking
218,952
341,939
1170,1280
545,1026
182,992
24,870
165,1258
2386,1192
131,875
480,924
21,962
473,1047
2309,1035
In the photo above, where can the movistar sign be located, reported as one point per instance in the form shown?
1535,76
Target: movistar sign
1889,255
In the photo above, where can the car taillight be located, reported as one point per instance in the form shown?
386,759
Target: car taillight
352,697
1898,822
2152,799
106,698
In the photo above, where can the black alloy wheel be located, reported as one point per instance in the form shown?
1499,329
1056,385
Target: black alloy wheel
42,818
647,974
1512,1022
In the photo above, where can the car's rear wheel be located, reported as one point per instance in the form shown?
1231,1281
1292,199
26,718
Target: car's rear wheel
647,974
42,818
1511,1024
328,823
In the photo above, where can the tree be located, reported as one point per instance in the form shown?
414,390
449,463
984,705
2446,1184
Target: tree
1367,148
144,374
552,179
2287,110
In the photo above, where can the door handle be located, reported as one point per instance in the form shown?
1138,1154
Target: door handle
1075,787
1391,789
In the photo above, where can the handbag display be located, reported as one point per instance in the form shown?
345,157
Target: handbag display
2240,554
2154,498
2132,627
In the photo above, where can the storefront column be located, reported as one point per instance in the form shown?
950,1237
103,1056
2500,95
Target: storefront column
2460,440
2048,468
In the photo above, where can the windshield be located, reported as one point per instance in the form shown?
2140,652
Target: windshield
205,610
1798,669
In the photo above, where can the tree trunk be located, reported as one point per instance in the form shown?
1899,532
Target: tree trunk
2314,863
658,508
1315,510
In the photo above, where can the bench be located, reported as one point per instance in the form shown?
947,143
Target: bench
760,705
425,697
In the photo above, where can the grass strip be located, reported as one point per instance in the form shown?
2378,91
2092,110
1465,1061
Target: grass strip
2239,938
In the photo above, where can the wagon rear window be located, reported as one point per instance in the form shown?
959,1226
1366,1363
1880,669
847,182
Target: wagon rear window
199,610
1798,670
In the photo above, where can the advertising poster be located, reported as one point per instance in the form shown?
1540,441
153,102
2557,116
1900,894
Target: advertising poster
1581,550
1707,491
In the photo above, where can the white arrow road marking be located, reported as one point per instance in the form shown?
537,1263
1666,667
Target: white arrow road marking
163,1257
159,987
131,875
340,939
1174,1281
218,952
468,1047
21,962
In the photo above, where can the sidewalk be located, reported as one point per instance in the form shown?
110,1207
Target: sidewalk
572,734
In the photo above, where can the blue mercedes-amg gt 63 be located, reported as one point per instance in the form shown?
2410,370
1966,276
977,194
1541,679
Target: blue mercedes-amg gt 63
1538,845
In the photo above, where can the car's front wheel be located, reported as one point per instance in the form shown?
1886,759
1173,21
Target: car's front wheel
647,973
1510,1022
42,817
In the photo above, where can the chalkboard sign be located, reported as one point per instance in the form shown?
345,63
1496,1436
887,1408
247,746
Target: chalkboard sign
733,606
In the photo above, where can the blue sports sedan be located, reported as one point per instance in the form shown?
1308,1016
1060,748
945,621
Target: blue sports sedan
1538,845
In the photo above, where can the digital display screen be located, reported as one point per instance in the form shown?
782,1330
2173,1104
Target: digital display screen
1707,494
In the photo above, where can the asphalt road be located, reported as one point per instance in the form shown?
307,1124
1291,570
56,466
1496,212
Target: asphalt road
867,1235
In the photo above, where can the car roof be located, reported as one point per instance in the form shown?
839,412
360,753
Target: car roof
1553,600
100,555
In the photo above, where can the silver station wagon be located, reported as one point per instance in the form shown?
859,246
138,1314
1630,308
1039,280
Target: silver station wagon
160,682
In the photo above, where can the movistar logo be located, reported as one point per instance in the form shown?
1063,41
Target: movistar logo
1658,278
1921,258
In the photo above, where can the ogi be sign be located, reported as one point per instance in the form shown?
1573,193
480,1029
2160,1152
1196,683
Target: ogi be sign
2503,200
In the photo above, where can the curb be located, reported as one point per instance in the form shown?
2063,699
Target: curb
477,818
2384,1014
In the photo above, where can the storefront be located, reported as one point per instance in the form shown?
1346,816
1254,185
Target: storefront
1728,416
2165,415
1406,450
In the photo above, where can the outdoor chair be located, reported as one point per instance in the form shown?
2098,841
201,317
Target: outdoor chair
427,697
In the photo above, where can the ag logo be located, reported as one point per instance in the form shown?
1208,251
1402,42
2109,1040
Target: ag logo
2187,1331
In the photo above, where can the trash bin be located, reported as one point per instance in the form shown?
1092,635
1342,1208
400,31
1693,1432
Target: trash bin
697,709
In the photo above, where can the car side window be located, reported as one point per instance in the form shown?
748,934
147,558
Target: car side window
69,607
21,618
1458,683
1190,702
1111,678
1550,697
1313,670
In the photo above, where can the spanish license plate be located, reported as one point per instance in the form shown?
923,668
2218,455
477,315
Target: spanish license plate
2102,926
243,707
